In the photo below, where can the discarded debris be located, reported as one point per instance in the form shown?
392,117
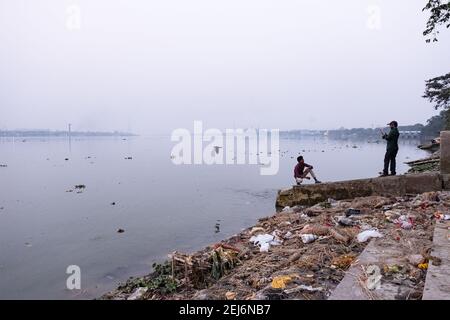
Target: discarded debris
366,235
128,158
120,231
308,238
80,186
3,166
280,282
352,211
138,293
302,288
272,261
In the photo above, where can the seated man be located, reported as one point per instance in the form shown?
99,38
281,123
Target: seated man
301,173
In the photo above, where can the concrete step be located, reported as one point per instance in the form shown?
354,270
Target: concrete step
354,284
437,282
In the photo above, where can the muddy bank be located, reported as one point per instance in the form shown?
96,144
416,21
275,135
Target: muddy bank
301,253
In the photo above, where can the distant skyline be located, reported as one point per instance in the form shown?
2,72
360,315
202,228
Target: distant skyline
150,67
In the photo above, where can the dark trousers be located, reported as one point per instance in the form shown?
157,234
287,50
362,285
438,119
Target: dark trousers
389,158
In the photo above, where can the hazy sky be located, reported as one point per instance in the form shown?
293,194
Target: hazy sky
156,65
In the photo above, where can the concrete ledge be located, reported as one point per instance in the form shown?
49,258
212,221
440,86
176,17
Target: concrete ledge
387,186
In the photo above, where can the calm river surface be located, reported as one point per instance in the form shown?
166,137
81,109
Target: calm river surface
160,206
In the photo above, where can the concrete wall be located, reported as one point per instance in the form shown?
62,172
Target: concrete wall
445,152
396,186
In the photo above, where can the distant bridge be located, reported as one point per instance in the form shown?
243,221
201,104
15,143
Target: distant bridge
410,134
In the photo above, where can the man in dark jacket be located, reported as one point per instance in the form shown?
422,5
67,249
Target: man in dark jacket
302,170
391,150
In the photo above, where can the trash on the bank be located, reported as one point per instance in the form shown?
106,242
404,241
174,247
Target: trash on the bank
288,235
230,295
286,209
138,293
415,259
343,262
280,282
366,235
406,225
302,288
308,238
257,229
423,266
264,241
346,222
352,211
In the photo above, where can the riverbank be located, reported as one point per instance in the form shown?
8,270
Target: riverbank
303,253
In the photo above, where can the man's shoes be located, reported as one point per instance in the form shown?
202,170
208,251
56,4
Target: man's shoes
317,181
393,174
383,174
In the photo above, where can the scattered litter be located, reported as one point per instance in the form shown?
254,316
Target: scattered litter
415,259
308,238
230,295
366,235
138,293
423,266
256,229
264,241
286,209
352,211
346,222
80,186
303,288
280,282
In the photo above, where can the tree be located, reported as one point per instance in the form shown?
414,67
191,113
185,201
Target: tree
440,15
437,90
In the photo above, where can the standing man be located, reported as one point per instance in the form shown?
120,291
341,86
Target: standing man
301,173
391,150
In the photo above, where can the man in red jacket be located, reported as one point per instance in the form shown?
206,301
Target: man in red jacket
302,170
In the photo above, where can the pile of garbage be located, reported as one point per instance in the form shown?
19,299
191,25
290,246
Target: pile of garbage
300,252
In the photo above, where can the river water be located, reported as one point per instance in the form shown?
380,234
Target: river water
160,206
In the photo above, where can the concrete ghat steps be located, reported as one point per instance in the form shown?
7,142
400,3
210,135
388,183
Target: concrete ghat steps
437,283
377,252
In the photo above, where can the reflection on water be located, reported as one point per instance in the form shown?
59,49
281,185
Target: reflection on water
159,206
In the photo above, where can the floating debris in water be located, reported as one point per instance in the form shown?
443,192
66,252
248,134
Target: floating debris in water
217,226
80,186
128,158
113,203
27,244
3,166
120,231
67,159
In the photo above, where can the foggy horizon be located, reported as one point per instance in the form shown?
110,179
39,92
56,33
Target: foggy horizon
149,67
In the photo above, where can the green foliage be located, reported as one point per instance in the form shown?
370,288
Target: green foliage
163,280
438,91
436,124
439,15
